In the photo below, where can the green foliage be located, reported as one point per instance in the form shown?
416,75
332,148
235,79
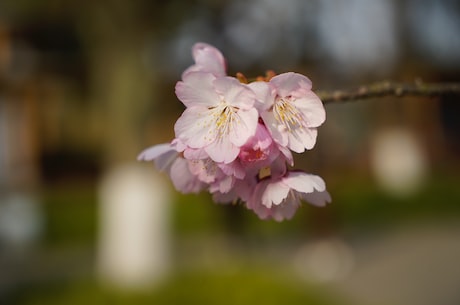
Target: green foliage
243,286
71,214
194,214
362,204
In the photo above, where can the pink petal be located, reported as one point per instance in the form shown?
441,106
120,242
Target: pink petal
241,190
259,151
276,130
312,109
234,93
284,204
233,169
302,138
286,210
262,138
244,127
316,198
265,96
197,90
255,200
245,188
164,161
222,150
207,59
194,125
278,168
262,211
228,197
163,155
178,145
183,179
195,153
287,155
286,83
204,170
225,185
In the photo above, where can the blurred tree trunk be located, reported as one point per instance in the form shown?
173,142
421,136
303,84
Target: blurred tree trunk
120,86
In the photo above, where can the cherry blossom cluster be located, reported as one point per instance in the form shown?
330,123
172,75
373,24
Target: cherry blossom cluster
235,139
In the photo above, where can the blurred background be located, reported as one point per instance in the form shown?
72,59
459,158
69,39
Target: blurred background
86,85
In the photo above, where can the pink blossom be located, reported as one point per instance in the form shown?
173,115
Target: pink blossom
279,198
290,110
219,117
234,140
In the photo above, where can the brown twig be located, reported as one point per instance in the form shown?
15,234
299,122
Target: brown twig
383,89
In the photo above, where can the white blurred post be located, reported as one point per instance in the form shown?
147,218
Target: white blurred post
134,227
399,162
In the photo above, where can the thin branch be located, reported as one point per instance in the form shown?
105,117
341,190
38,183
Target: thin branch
383,89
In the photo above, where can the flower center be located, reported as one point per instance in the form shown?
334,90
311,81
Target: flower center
253,155
225,117
287,114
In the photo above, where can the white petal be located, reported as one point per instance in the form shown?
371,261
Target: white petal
304,183
275,193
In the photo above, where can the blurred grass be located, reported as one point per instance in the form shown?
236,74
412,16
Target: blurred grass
71,212
244,286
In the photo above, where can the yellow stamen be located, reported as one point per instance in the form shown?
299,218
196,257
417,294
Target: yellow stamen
287,114
264,172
